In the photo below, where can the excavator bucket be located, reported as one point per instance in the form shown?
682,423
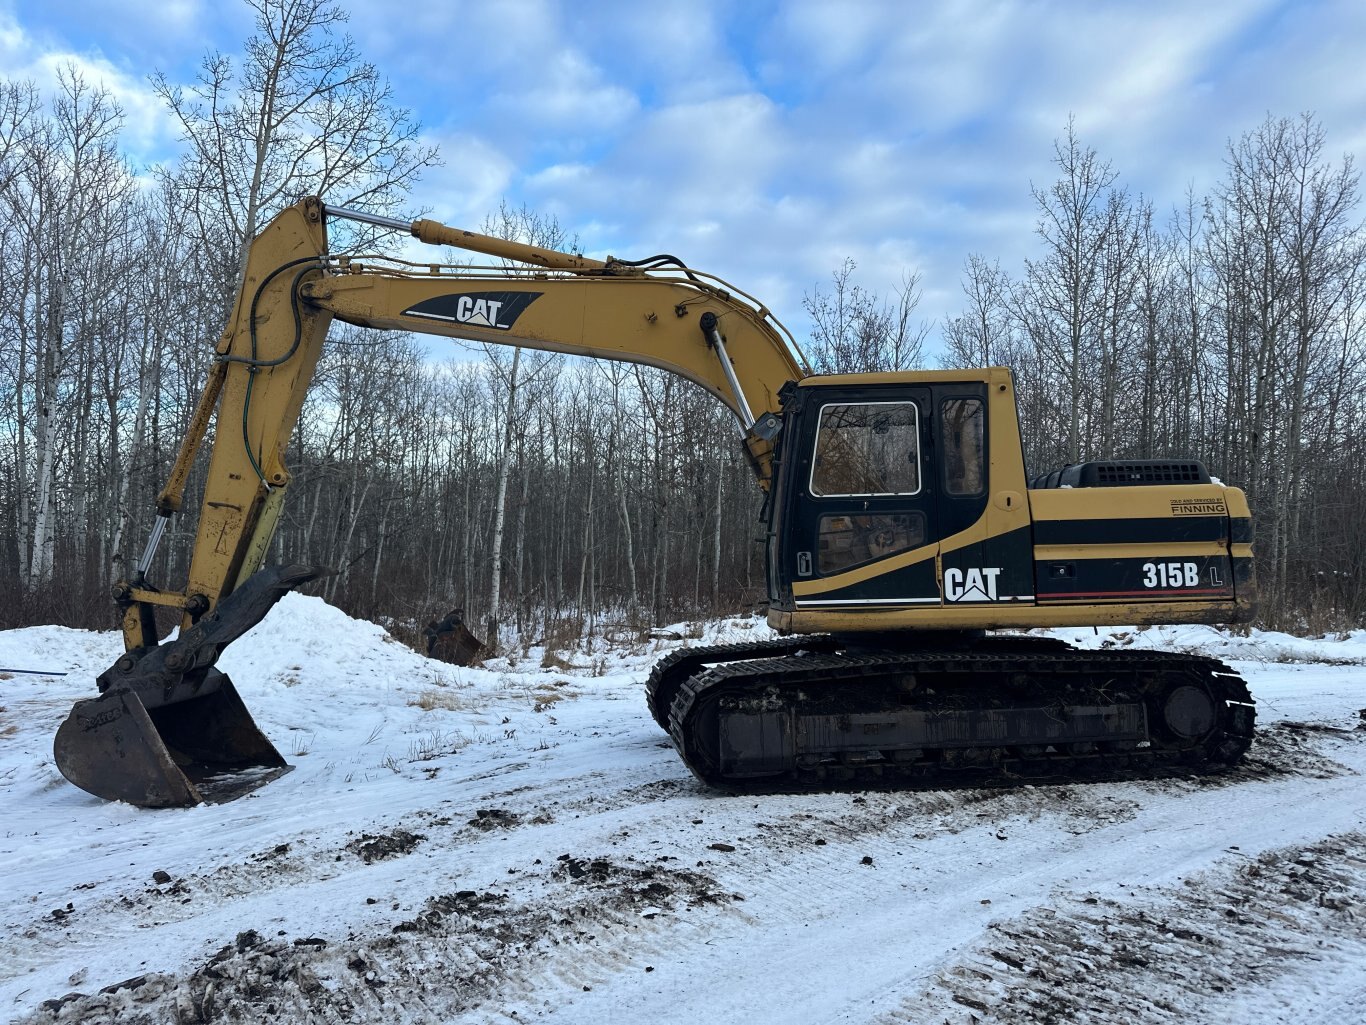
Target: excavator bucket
168,729
205,748
450,640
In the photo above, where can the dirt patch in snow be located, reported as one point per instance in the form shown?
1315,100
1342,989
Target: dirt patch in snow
379,846
462,951
489,819
1210,950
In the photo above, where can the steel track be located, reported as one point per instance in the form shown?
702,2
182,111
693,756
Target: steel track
670,672
995,674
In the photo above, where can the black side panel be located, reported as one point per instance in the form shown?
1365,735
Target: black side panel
915,584
1197,577
999,569
1135,531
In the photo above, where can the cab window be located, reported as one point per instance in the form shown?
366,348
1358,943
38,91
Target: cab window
964,446
867,448
844,541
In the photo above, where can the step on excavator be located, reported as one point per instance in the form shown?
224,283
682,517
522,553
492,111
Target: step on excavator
907,553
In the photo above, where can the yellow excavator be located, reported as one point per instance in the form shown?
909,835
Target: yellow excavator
906,550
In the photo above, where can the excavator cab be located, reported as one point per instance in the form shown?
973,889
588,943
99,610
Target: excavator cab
875,474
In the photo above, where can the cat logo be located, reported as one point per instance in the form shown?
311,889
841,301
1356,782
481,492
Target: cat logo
971,584
497,310
469,310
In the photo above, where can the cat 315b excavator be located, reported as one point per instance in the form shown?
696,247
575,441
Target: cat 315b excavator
902,539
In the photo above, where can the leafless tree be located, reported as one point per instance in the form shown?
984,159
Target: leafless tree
302,113
854,330
1064,289
983,334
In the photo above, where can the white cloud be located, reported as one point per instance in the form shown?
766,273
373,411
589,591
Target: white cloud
473,180
678,52
559,176
765,143
147,134
569,94
833,38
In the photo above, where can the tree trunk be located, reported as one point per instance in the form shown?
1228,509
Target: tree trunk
500,507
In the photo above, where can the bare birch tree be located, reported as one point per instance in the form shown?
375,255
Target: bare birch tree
854,330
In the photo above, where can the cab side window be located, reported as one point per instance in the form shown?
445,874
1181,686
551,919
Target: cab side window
844,540
965,446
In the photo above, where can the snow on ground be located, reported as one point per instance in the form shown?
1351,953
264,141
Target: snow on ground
519,843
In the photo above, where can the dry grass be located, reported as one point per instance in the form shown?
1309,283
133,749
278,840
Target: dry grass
436,744
431,698
300,744
547,695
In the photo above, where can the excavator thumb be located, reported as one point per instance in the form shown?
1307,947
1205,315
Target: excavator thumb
168,729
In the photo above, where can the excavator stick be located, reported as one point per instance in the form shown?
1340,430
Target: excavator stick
168,729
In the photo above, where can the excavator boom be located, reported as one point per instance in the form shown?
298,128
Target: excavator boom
168,729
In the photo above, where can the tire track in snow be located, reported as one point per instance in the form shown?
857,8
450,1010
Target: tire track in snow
853,938
777,862
1230,945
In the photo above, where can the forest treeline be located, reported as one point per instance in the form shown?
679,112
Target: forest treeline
555,495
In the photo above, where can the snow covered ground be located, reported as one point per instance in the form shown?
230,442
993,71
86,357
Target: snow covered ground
519,843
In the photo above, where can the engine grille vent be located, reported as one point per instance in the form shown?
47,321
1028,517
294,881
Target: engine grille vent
1114,473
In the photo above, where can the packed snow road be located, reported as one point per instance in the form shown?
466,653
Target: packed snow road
520,843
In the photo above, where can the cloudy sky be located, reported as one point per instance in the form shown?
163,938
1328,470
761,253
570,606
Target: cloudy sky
767,141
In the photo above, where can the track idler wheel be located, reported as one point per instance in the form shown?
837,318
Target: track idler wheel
1189,712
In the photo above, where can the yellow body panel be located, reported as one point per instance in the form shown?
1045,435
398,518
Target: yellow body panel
1156,550
632,319
1003,616
1152,502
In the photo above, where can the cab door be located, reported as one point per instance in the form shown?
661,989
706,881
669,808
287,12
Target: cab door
985,541
861,501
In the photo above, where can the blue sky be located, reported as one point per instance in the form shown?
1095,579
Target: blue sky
766,142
